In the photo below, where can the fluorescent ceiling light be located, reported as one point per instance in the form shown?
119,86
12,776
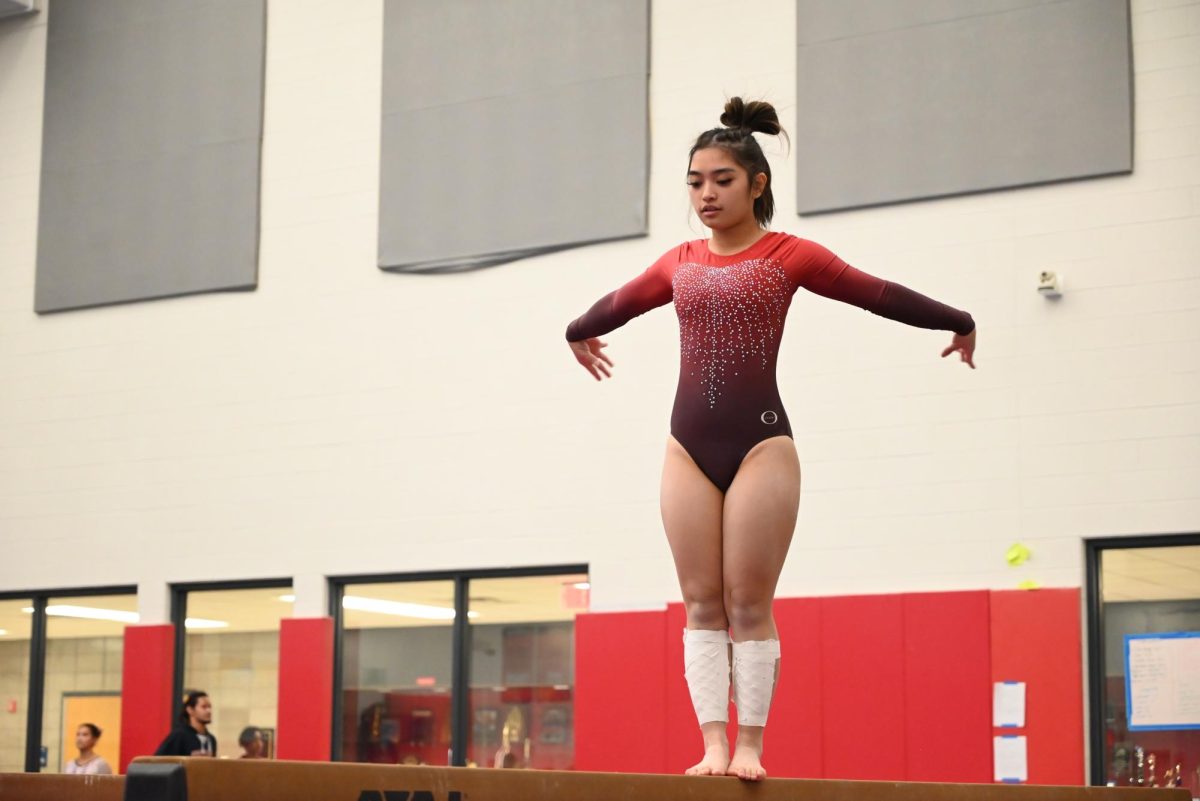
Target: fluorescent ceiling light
400,608
3,632
118,616
87,613
582,585
288,599
91,613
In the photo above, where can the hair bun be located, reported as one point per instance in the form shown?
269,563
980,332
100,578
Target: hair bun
757,115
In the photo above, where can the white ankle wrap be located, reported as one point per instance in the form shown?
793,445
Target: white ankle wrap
754,679
706,668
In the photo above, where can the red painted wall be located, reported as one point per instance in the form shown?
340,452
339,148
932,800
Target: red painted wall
894,687
146,678
305,688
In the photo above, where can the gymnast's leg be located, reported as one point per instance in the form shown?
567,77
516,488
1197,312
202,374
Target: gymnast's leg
759,518
691,513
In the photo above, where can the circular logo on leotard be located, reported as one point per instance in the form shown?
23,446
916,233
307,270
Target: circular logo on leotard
769,417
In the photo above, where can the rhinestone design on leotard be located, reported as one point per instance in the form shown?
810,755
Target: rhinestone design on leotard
730,318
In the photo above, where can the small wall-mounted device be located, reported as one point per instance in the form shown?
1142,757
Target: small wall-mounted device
1049,284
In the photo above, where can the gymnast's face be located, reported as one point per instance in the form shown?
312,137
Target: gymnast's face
720,189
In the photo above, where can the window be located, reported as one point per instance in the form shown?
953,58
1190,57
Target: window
523,670
232,653
16,629
85,642
1144,598
57,651
415,683
397,649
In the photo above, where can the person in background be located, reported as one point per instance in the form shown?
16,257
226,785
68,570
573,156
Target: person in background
251,741
88,761
191,736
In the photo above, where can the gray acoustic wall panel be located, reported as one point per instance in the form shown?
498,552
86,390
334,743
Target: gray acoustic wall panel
510,129
14,8
150,153
926,98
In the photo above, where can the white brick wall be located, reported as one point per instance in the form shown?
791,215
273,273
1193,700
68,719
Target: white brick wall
340,419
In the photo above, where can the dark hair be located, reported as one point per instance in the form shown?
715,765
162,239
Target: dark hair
189,702
247,736
93,728
742,120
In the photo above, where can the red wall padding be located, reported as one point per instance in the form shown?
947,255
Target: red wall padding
793,740
894,687
1037,639
683,745
862,687
147,674
947,687
620,707
305,717
792,746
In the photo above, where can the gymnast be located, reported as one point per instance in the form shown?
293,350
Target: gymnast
731,478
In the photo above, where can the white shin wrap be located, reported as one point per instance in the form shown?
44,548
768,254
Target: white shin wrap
754,679
706,668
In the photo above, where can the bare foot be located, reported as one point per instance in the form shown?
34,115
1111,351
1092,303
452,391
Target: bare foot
746,763
715,762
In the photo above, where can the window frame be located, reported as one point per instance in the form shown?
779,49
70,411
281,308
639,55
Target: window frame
460,656
179,595
35,700
1094,549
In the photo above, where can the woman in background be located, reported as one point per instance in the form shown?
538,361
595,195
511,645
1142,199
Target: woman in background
88,762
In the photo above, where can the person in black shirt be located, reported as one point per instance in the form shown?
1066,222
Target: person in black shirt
191,736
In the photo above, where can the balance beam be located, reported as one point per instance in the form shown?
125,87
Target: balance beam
57,786
178,779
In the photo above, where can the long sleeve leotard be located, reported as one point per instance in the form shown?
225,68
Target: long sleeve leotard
731,312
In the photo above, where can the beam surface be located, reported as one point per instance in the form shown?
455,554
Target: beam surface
262,780
58,787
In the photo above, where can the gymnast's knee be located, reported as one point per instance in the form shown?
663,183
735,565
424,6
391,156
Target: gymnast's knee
706,611
747,612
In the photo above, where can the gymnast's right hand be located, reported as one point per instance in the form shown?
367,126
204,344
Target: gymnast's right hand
588,353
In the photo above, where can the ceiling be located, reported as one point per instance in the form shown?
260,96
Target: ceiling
1151,574
501,600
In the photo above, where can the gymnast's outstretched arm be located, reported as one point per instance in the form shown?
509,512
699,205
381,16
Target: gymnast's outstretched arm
820,271
649,290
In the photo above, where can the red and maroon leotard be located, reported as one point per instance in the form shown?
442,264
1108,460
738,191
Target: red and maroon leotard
731,312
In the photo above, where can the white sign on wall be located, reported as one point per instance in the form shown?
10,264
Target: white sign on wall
1162,680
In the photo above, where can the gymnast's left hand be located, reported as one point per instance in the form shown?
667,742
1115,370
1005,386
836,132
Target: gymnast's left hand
965,345
589,353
